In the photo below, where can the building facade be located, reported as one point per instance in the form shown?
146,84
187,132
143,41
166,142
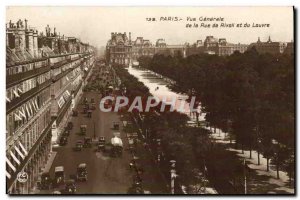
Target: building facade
289,48
122,50
268,46
119,49
44,76
212,45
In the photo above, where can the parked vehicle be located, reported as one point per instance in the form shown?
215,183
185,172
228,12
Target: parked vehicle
70,187
101,144
59,175
70,125
75,113
89,113
78,145
66,132
93,106
63,141
85,108
116,125
87,142
46,182
83,129
82,174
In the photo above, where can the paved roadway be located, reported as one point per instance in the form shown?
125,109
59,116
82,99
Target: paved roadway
106,175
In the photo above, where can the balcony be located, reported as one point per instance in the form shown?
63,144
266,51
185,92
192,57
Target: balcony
16,102
64,73
17,78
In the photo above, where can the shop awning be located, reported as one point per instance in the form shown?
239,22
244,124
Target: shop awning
14,157
17,117
23,148
19,152
16,93
10,165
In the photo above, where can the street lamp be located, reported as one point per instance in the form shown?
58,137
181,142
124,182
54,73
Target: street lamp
275,143
245,176
173,176
258,148
229,127
159,149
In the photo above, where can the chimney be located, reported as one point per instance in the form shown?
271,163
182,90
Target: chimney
20,36
35,43
25,24
269,39
129,36
29,41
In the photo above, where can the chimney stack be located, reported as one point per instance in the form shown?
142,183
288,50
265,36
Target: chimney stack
20,36
25,24
35,43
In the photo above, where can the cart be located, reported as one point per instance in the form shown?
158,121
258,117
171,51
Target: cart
82,172
116,125
78,145
89,113
93,106
83,129
70,187
101,144
87,142
59,175
46,182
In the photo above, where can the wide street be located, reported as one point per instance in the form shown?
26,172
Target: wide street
105,174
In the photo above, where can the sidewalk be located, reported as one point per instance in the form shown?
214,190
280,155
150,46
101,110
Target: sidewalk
50,161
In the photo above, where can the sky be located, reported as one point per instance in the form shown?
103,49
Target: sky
94,24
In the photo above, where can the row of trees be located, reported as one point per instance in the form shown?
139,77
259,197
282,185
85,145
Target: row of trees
250,95
170,138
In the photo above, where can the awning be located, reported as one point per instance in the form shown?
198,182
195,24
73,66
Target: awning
32,104
17,117
29,114
36,104
14,157
16,93
23,148
19,152
8,175
67,91
10,165
61,102
19,89
22,113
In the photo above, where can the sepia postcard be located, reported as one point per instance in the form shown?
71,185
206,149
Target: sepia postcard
150,100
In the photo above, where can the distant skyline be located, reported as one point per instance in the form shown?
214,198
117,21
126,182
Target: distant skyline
94,24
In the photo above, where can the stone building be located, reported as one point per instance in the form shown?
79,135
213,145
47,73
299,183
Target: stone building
43,82
212,45
289,48
268,46
119,49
